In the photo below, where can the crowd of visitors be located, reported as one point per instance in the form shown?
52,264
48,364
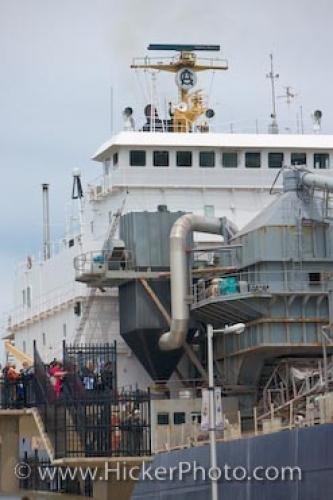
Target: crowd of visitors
16,384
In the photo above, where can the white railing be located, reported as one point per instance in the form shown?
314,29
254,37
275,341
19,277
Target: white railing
44,304
100,261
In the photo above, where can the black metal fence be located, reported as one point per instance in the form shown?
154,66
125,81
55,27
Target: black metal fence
90,367
17,394
105,427
44,477
84,420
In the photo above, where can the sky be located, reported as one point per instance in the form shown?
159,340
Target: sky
59,60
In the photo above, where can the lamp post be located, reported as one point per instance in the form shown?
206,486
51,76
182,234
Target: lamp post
238,328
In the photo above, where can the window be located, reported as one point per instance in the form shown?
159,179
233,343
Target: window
184,158
209,210
163,419
24,297
64,330
24,346
314,278
230,160
137,158
298,158
29,296
44,338
252,160
179,418
161,158
115,159
275,160
110,216
92,226
207,159
71,242
321,160
196,417
77,308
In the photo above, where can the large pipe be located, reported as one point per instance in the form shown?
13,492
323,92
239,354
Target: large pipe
46,223
317,181
176,337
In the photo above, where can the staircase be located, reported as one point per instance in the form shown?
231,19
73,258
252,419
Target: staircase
41,429
107,252
14,354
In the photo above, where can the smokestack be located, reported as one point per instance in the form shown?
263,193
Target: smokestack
46,223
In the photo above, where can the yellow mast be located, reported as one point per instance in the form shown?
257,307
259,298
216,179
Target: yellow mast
191,104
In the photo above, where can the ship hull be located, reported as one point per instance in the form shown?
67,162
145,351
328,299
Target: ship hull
309,449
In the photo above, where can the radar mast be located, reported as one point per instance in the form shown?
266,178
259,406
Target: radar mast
191,105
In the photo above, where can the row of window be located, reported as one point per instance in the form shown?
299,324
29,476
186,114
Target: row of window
179,418
230,159
64,333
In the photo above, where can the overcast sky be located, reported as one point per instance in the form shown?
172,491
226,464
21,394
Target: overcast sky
58,60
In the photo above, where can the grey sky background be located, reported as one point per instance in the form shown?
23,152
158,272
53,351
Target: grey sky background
59,59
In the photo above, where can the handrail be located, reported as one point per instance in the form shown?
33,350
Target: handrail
261,282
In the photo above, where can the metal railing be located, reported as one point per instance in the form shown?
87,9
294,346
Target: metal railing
100,261
90,368
17,394
44,477
54,299
250,282
98,422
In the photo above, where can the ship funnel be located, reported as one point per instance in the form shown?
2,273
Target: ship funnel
46,223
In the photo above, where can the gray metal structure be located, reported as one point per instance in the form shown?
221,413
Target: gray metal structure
282,288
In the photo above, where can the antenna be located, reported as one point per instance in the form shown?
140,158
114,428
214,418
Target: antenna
289,95
46,223
184,47
273,128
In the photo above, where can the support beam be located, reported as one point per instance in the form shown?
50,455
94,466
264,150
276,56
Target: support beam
187,348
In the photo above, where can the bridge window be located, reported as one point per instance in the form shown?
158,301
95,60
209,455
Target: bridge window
298,158
252,160
179,418
115,159
138,158
161,158
321,160
184,158
275,160
207,159
230,160
163,419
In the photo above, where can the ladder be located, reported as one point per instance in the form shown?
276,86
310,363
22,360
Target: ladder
107,252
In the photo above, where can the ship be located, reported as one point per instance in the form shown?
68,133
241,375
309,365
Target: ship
180,237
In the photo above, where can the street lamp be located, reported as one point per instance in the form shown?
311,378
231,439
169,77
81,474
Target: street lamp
236,329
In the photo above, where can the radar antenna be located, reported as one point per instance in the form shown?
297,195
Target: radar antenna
289,95
273,128
185,65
